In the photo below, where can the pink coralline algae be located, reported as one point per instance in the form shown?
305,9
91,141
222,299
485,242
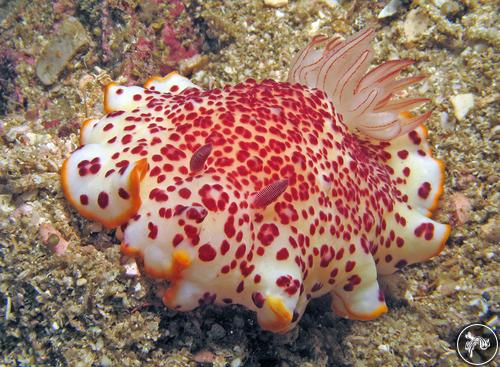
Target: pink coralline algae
267,194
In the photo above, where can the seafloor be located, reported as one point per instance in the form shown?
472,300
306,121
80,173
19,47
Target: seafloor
80,308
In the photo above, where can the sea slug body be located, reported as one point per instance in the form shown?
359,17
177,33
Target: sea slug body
267,194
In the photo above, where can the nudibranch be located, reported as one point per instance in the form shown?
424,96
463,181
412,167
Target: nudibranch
267,194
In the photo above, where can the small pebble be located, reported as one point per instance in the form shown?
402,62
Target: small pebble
95,227
63,46
450,9
415,24
384,348
238,322
462,207
193,64
490,231
216,332
204,356
53,239
447,288
276,3
394,286
81,282
478,307
131,268
445,121
390,9
462,104
106,362
408,297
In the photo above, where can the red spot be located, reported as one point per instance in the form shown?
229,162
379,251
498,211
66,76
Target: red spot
425,229
224,248
108,126
103,200
316,287
172,152
246,269
349,266
137,97
282,254
258,299
123,194
400,242
240,287
190,231
155,171
381,297
242,155
413,135
267,233
206,252
184,193
348,287
196,213
158,195
229,229
240,252
84,199
153,230
227,119
83,163
283,281
95,168
206,197
400,264
429,233
233,208
126,139
424,190
403,154
177,239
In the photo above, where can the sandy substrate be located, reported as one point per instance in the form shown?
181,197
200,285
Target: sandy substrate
82,309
